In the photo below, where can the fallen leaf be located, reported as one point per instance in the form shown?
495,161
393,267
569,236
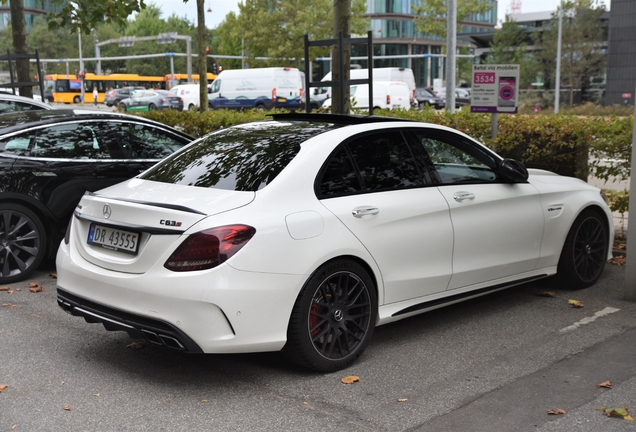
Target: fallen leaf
618,412
576,304
67,407
18,289
53,275
546,294
350,379
605,384
14,426
205,401
8,305
63,383
2,387
33,287
4,288
618,260
136,345
557,411
402,400
10,291
305,403
96,394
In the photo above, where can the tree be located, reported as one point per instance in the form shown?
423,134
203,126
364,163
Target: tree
286,22
509,47
84,15
18,30
431,17
227,39
582,53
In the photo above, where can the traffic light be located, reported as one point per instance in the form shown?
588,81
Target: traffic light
215,69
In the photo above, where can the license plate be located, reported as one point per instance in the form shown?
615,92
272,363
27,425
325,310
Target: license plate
113,239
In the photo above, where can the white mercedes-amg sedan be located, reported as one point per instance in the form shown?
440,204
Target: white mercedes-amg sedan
305,232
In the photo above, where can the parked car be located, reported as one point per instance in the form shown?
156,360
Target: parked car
426,98
462,96
303,233
12,103
149,100
49,158
260,88
189,93
114,96
386,95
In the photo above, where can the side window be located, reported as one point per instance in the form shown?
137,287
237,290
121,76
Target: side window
69,141
137,141
385,162
14,106
340,177
18,145
216,86
455,160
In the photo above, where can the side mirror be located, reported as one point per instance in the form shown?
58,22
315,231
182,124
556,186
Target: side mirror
513,171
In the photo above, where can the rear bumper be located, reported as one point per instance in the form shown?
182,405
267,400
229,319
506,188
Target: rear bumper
156,332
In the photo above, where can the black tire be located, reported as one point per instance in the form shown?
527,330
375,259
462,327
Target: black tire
260,107
77,99
22,243
333,318
584,252
192,107
152,107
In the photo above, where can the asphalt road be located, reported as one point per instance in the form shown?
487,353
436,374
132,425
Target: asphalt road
497,363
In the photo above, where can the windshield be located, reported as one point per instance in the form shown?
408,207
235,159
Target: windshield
242,158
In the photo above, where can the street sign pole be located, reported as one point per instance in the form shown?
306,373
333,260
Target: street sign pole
630,259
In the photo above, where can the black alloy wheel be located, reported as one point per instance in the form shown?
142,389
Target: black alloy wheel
22,243
333,318
585,251
152,107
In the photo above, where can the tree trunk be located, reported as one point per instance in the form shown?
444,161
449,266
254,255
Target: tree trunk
203,59
341,23
19,46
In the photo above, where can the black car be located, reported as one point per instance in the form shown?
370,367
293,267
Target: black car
113,97
427,98
50,158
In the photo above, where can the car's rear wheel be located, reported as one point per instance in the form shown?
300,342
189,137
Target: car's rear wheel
152,107
333,318
584,252
76,99
192,107
22,242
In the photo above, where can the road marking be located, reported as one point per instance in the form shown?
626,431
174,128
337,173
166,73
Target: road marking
587,320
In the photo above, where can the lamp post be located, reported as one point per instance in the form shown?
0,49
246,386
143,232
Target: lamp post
557,88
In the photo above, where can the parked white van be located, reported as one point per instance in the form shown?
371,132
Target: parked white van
189,93
379,74
386,94
262,88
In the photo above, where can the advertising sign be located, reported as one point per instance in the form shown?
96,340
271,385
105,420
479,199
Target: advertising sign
495,89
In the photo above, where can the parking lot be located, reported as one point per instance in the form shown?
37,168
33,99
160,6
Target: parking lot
499,362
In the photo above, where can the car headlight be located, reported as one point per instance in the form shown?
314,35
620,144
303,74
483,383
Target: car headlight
605,197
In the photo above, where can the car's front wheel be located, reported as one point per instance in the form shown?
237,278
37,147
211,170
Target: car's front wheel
584,252
22,242
333,318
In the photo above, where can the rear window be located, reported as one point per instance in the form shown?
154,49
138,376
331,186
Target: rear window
241,158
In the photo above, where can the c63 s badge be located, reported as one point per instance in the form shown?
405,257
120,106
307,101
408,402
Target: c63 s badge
167,222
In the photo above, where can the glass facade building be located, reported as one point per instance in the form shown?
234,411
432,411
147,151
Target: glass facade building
395,33
32,9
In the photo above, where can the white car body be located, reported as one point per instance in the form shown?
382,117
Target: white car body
404,75
386,95
453,242
189,93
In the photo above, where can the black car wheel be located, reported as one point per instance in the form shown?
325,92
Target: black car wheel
22,242
152,107
77,99
584,252
333,318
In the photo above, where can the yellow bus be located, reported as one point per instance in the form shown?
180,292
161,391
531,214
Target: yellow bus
64,88
176,79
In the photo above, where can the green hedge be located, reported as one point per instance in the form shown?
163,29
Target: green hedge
566,144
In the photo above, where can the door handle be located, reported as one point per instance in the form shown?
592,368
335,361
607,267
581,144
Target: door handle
364,211
463,196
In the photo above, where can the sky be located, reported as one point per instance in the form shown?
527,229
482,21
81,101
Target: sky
220,8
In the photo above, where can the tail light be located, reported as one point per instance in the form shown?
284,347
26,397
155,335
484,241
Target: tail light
273,94
163,99
67,235
388,99
207,249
